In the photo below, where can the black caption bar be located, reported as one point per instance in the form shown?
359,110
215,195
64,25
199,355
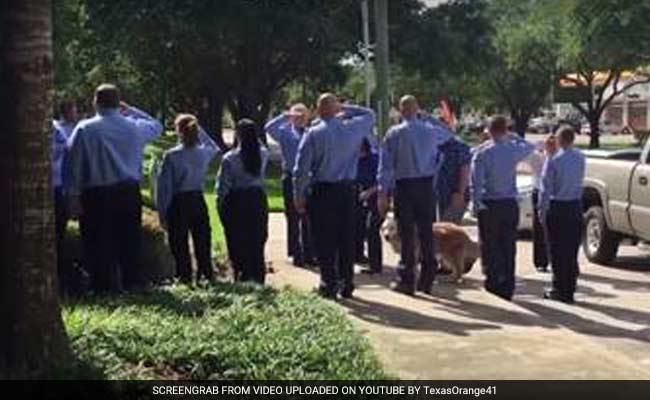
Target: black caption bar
547,390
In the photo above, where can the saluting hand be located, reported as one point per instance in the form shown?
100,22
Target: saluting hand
124,107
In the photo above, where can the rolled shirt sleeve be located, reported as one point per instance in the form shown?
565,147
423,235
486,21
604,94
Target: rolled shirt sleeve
278,127
209,146
147,126
360,120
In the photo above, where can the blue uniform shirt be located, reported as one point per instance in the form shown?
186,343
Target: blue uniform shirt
183,170
107,148
494,169
288,137
562,178
329,150
410,150
62,131
233,175
456,155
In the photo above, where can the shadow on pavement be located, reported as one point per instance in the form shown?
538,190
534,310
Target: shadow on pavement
616,283
630,263
399,317
580,324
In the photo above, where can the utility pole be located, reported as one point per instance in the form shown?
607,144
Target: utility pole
381,63
366,48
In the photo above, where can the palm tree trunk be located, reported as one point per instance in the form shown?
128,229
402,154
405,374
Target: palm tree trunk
32,334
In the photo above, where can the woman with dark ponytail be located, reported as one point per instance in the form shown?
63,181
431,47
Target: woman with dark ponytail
242,204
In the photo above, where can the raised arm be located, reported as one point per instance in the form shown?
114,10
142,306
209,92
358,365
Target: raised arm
523,147
209,146
442,133
147,126
359,119
277,128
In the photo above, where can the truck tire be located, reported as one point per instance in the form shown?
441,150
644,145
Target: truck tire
599,243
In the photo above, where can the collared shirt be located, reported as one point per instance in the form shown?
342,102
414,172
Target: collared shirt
62,131
288,137
456,155
494,169
183,170
410,150
329,150
233,175
562,178
107,148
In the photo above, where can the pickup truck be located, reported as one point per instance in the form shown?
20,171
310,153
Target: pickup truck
616,201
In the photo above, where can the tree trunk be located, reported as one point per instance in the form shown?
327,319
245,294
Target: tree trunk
32,334
254,108
210,116
521,123
594,131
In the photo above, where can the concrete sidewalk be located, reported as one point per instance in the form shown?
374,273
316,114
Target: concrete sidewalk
462,332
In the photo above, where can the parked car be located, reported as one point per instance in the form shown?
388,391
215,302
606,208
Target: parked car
605,127
616,201
541,125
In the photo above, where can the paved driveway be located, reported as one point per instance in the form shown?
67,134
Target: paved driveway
462,332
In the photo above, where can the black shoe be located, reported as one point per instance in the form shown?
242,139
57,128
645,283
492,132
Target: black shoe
371,271
298,262
401,287
362,260
346,292
324,293
426,288
551,294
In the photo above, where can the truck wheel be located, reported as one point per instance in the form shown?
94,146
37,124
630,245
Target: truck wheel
599,243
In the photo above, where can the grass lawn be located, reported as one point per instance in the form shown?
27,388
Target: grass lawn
222,332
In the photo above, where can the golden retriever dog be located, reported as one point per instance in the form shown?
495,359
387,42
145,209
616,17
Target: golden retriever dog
453,246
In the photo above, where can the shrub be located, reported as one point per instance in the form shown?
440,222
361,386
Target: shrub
156,262
229,331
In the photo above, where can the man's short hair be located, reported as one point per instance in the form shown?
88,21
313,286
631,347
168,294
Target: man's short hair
498,124
107,96
566,134
408,101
